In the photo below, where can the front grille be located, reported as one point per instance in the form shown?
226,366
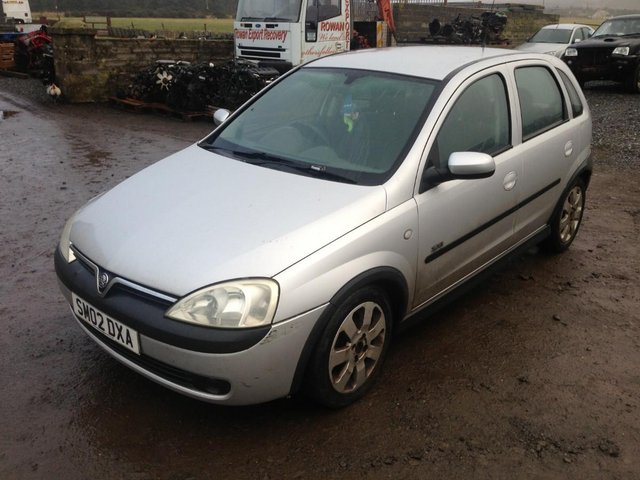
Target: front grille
595,57
259,54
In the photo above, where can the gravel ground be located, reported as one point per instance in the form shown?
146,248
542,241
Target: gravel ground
616,124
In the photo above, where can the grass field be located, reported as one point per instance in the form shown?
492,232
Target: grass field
220,25
215,25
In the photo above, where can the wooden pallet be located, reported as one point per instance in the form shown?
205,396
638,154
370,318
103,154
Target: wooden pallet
139,106
6,56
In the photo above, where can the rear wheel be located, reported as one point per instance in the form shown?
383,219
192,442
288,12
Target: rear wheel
567,218
350,354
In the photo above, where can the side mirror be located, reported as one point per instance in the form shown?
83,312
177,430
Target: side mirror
311,24
462,166
220,116
469,165
577,40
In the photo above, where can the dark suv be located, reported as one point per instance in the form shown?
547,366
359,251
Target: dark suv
612,53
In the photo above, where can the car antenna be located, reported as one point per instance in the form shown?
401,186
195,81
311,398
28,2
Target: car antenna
485,31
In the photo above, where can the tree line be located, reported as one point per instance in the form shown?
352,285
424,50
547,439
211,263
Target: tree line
139,8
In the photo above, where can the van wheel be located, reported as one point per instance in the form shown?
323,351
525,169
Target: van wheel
567,218
352,349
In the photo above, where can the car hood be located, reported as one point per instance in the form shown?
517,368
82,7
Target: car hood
197,218
609,41
539,47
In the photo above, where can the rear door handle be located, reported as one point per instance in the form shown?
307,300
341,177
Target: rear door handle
568,148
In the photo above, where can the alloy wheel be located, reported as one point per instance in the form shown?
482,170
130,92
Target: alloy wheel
571,214
357,347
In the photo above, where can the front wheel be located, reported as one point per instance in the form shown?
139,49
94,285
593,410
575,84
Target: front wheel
633,84
352,349
567,218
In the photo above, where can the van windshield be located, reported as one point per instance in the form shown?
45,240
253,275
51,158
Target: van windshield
339,124
268,10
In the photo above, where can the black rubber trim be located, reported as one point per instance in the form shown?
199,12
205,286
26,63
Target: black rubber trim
145,314
488,224
470,284
192,381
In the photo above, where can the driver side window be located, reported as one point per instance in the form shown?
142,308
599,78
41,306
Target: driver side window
478,122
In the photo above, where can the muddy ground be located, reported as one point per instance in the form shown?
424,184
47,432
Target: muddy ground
534,374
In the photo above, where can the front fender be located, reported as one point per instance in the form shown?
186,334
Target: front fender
388,241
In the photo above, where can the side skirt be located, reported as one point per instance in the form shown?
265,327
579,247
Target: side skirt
472,280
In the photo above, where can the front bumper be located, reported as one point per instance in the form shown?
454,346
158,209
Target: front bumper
612,67
245,368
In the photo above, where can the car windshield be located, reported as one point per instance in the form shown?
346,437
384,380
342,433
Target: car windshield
268,10
551,35
618,27
339,124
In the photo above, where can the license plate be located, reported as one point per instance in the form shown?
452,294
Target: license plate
116,331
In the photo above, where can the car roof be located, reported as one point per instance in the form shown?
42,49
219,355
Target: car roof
565,26
427,61
620,17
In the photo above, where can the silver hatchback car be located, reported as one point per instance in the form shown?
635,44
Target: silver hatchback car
282,251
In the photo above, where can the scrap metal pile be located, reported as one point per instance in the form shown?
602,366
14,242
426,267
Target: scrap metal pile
34,54
188,87
485,29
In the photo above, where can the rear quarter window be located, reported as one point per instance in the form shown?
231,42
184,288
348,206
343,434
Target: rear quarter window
576,104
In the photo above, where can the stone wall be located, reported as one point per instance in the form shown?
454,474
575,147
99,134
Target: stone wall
91,68
412,20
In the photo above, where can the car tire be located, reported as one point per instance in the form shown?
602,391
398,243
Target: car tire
566,218
633,83
349,355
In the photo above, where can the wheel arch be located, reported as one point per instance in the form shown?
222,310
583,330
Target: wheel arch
584,173
389,279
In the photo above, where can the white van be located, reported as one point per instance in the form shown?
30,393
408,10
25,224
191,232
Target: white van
18,10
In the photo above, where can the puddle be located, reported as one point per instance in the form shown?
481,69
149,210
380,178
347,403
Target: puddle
4,114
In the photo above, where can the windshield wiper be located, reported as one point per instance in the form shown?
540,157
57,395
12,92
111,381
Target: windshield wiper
266,160
277,19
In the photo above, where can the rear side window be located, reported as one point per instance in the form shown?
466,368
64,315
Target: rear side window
574,98
479,121
541,101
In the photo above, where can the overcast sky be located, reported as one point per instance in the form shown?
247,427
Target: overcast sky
628,4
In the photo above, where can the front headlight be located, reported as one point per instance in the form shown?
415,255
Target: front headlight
621,51
571,52
237,304
65,242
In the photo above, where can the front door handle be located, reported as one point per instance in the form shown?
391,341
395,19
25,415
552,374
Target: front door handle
510,180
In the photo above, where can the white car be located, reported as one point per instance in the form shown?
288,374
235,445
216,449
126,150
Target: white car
554,39
282,251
